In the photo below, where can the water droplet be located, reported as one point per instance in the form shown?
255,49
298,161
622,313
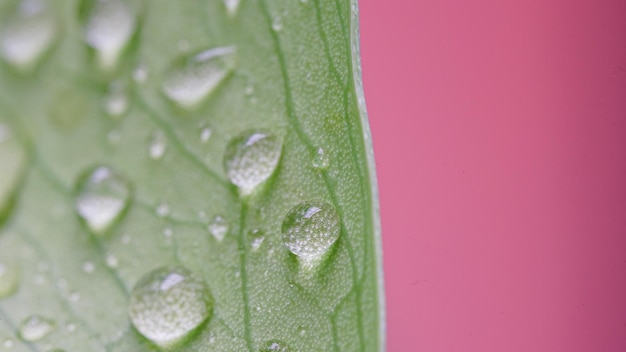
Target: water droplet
109,26
167,232
257,239
74,296
301,330
28,34
103,195
321,160
219,227
9,279
277,24
205,134
162,210
158,145
70,327
116,100
310,229
111,260
89,267
275,346
192,78
231,6
251,158
140,73
249,90
35,328
169,303
8,343
13,160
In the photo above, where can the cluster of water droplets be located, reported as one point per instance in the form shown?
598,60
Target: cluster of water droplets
168,303
102,196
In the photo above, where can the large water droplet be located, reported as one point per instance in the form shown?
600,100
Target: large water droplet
274,346
109,26
28,34
169,303
251,158
102,197
219,227
12,164
192,78
232,6
35,328
158,145
9,279
310,229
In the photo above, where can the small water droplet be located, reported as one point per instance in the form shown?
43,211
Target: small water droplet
116,100
231,6
274,346
190,79
162,209
251,158
167,232
205,134
111,260
277,24
28,34
321,160
70,327
9,279
109,26
249,90
158,145
310,229
35,328
74,296
89,267
168,303
257,239
8,343
301,330
219,227
140,73
102,197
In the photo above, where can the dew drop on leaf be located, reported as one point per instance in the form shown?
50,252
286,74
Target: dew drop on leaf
205,134
162,209
28,34
275,346
168,303
231,6
109,25
190,79
251,158
277,24
8,343
12,164
9,279
219,227
321,160
310,229
35,328
158,145
116,100
102,197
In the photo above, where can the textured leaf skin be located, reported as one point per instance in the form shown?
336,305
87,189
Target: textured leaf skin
297,75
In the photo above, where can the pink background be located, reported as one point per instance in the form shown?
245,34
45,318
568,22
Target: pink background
500,137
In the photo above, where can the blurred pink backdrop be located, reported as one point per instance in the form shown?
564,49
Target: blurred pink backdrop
500,138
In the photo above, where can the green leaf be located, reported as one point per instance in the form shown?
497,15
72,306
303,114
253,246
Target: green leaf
186,175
